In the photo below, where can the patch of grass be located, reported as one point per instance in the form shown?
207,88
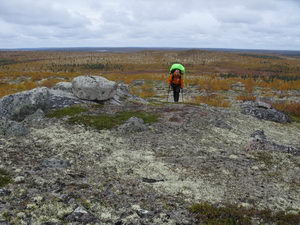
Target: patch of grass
246,98
209,214
68,111
105,121
5,178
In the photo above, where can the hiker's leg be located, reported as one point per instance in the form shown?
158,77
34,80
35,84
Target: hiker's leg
176,93
176,96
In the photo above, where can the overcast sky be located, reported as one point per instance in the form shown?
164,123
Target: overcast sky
247,24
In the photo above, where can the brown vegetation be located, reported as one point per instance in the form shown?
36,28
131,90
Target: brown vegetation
213,73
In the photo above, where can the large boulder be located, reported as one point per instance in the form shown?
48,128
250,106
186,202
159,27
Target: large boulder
264,111
93,88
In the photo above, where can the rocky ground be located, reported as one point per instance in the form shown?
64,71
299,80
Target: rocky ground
141,173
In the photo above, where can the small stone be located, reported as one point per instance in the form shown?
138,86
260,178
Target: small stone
233,157
145,213
31,206
133,124
4,192
255,168
19,179
81,215
18,170
38,199
226,172
21,215
55,163
245,205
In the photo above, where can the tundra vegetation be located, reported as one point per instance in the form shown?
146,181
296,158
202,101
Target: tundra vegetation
221,79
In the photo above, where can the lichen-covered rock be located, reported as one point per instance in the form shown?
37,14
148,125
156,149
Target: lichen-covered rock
36,117
123,95
93,88
12,128
259,142
264,111
18,106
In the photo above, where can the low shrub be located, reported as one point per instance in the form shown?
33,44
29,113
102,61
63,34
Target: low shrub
208,214
5,178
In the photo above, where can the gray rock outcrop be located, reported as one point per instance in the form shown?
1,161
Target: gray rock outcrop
12,128
259,142
133,124
18,106
93,88
63,86
264,111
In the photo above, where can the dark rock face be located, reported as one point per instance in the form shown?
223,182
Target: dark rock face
259,142
264,111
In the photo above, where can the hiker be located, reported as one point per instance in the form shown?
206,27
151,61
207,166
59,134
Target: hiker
176,81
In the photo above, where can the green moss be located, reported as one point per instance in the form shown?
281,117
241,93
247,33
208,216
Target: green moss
5,178
265,157
68,111
295,118
209,214
212,215
105,121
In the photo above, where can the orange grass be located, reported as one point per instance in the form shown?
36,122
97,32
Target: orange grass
246,98
143,91
213,100
280,85
290,107
7,89
212,84
50,82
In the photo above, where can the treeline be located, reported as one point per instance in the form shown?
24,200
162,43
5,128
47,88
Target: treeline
266,78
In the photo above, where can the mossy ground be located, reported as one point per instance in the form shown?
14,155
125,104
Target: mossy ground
105,121
209,214
5,178
68,111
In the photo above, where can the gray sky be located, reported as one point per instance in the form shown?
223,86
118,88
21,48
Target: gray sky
251,24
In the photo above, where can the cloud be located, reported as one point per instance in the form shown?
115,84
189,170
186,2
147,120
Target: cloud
170,23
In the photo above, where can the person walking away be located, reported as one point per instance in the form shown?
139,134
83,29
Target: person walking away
176,83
